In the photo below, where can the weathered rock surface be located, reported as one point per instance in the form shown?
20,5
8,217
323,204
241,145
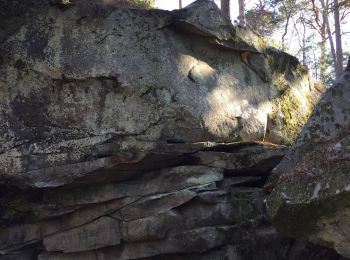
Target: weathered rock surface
83,94
182,209
311,186
119,134
193,211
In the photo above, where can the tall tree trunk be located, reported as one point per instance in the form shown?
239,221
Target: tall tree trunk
225,8
323,54
348,66
304,44
325,8
315,64
321,25
242,20
338,41
288,14
285,31
180,4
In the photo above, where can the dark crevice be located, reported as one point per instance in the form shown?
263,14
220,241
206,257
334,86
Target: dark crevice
234,147
129,171
252,184
28,252
246,172
175,141
15,204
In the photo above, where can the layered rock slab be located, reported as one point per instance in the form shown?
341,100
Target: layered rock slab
310,187
191,211
187,209
83,93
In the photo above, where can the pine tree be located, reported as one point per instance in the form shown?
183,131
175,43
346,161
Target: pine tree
225,8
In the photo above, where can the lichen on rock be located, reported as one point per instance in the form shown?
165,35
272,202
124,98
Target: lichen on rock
311,185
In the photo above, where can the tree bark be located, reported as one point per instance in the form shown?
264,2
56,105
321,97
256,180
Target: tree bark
323,53
338,41
337,61
288,9
285,30
304,44
348,66
320,26
315,64
242,20
225,8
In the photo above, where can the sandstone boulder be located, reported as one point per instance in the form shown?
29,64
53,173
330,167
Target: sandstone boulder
310,187
84,93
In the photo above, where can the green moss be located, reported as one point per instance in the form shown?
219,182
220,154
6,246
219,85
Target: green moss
294,114
271,61
278,60
261,43
281,83
234,137
294,209
301,69
337,90
327,108
300,218
289,106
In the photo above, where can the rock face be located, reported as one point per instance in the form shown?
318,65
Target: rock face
206,208
198,208
119,133
82,93
310,198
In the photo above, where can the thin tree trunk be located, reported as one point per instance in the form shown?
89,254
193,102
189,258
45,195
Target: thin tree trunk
315,64
225,8
304,44
323,54
288,14
321,24
325,8
348,66
338,41
180,4
285,30
242,20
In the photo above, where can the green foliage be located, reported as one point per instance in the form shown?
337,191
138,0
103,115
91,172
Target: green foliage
264,18
301,69
274,44
330,76
144,3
